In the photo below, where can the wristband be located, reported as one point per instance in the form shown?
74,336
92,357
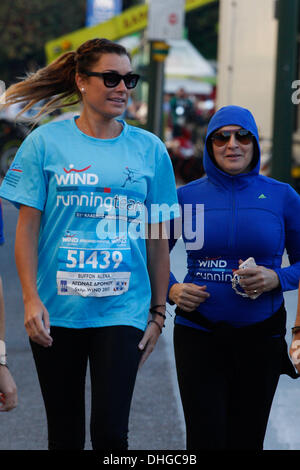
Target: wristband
2,353
155,312
157,324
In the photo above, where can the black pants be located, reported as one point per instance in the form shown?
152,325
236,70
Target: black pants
113,356
227,385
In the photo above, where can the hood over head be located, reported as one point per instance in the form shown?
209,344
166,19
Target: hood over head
230,115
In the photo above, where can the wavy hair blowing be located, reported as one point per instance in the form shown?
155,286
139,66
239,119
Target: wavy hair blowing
56,83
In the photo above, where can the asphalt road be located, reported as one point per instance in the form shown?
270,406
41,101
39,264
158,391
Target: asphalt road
156,420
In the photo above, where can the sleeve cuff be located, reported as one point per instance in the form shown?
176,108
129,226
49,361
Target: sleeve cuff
171,283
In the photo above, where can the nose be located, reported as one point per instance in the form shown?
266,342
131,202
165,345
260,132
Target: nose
121,86
232,141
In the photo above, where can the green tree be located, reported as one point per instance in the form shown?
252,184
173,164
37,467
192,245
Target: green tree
131,3
202,27
25,27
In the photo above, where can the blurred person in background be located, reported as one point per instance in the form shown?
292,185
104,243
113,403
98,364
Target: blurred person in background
295,346
8,389
181,109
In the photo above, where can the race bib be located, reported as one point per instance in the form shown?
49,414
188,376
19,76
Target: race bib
92,267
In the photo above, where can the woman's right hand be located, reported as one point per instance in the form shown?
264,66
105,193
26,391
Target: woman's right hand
295,351
188,296
26,253
37,322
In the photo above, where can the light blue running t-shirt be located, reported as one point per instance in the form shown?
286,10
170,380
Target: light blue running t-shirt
94,195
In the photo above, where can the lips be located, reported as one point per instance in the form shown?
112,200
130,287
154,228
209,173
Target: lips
117,100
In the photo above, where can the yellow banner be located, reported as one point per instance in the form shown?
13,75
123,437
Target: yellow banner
130,21
192,4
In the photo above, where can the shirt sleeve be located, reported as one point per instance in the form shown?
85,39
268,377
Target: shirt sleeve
289,276
161,202
172,280
25,181
173,235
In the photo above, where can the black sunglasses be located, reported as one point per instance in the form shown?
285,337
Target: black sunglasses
222,138
112,79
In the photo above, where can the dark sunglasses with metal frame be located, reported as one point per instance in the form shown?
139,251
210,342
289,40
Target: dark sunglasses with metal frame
112,79
221,138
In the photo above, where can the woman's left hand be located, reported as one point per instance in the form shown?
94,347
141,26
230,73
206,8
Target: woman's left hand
149,340
257,280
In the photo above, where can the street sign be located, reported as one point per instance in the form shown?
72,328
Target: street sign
165,19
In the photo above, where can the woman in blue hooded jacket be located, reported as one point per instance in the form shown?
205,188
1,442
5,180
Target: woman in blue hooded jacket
230,349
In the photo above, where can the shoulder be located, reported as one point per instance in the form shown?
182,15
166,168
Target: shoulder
275,185
191,188
50,128
283,194
271,182
53,125
143,134
43,136
193,185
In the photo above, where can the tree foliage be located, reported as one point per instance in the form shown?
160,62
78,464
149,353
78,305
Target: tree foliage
202,27
25,27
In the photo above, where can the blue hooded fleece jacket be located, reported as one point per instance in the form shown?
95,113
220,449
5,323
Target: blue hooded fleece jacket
1,226
244,215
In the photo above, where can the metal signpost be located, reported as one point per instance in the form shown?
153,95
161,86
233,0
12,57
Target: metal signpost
165,22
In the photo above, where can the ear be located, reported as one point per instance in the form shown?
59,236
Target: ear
80,82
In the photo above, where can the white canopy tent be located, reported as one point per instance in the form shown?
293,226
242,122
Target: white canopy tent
193,87
184,67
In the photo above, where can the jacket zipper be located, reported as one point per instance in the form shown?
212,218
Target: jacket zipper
233,215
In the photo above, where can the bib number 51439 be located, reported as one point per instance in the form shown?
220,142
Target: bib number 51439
102,259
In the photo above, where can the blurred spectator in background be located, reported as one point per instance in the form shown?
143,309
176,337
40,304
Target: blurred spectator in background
8,389
181,109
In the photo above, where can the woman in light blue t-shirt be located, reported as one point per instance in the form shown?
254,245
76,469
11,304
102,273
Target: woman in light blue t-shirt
89,266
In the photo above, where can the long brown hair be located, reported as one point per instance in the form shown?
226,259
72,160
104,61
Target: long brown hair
55,83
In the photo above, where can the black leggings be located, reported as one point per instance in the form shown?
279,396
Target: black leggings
113,356
227,387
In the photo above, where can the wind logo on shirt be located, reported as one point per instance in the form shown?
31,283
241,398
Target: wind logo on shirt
212,263
75,176
214,270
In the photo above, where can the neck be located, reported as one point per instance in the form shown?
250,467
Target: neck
97,127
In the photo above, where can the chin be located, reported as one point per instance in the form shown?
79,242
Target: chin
117,111
113,114
234,171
